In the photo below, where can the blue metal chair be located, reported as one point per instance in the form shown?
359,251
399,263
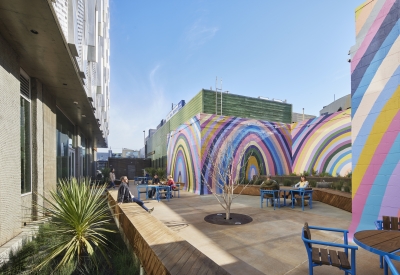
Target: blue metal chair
321,256
272,195
391,266
387,223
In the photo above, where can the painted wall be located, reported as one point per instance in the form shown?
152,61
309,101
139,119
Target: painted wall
183,152
375,113
189,145
323,144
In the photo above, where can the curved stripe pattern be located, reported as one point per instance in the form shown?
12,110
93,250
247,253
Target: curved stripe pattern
255,146
376,116
183,159
323,144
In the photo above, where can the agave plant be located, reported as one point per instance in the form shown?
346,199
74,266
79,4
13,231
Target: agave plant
80,213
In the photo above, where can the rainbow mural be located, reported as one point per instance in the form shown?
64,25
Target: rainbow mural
323,144
183,154
375,113
266,147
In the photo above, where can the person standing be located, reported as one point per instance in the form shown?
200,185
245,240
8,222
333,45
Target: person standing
112,179
125,195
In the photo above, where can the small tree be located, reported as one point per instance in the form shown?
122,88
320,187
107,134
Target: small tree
224,171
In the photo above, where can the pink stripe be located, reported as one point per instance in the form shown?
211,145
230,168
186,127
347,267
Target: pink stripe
371,33
362,193
391,203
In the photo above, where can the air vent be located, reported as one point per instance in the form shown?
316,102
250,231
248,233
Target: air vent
24,87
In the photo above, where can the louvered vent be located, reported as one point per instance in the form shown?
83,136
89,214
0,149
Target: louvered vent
24,88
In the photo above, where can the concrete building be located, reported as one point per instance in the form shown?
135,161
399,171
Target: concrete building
338,105
297,117
54,98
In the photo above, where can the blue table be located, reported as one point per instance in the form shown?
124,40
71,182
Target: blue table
140,188
160,188
380,242
145,179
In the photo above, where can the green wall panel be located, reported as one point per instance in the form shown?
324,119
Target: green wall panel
247,107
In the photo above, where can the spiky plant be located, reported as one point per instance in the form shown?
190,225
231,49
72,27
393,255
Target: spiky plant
80,213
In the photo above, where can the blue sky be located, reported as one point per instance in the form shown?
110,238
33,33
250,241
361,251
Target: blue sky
165,51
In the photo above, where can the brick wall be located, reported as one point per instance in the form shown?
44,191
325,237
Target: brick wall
10,172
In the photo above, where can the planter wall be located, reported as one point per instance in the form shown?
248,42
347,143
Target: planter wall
338,199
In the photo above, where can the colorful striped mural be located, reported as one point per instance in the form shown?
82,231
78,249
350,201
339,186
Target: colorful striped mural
323,144
375,113
183,154
266,146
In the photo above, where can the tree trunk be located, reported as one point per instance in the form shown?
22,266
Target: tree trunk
228,213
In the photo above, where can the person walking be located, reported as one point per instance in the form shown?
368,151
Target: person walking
125,195
112,179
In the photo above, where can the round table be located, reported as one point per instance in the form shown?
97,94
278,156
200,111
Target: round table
381,242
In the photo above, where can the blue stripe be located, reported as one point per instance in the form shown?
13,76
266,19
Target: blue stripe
375,197
372,68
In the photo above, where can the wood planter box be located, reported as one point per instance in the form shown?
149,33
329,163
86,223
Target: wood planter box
339,199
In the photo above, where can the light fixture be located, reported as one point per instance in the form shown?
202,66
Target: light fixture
76,102
34,32
83,116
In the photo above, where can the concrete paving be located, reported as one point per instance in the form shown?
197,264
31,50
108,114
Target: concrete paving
270,244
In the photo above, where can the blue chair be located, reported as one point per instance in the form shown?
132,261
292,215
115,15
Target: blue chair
387,223
321,256
391,266
272,195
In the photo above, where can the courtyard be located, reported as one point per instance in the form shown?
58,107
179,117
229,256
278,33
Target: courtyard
270,244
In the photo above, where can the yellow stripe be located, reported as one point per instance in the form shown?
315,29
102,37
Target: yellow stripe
374,139
346,158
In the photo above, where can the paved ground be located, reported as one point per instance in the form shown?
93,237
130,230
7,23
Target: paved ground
271,244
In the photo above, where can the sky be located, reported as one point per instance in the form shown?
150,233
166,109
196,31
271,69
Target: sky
166,51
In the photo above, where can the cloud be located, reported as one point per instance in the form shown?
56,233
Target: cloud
198,34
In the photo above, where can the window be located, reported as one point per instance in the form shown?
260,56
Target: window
25,132
65,147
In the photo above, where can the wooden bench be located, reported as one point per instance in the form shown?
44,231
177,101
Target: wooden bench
321,256
159,249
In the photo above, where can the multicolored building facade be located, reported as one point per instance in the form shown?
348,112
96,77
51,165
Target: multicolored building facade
260,147
375,113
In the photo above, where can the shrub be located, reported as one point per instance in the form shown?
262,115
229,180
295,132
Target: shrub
151,171
80,213
258,182
305,173
314,172
313,183
106,175
347,189
287,182
161,173
293,174
349,174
